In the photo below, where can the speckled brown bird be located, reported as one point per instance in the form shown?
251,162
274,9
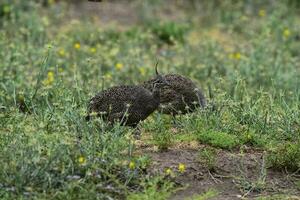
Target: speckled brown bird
127,104
180,96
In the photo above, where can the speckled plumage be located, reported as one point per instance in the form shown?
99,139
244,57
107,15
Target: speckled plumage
180,97
113,103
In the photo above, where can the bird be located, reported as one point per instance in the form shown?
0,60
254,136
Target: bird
180,96
127,104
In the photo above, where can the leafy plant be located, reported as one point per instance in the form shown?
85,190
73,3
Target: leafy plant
163,140
169,32
155,189
208,158
211,193
218,139
161,133
285,156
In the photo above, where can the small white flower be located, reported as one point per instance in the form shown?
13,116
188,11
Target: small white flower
195,102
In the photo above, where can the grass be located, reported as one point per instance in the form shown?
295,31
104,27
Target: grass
156,189
207,158
162,136
244,55
210,194
285,156
219,139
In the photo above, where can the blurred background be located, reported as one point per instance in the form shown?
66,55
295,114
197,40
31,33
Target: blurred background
229,48
187,35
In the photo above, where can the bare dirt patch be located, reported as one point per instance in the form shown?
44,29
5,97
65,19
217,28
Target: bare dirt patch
119,12
125,13
237,174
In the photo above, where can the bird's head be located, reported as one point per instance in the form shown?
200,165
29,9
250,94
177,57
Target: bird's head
159,80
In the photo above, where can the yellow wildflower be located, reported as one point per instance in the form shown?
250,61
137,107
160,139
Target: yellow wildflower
108,76
77,45
142,71
93,50
60,70
50,78
81,160
169,171
119,66
62,52
181,167
244,18
262,13
286,33
236,56
131,165
51,2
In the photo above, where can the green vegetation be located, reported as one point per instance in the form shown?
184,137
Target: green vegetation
156,189
161,134
207,158
169,32
218,139
244,55
285,156
210,194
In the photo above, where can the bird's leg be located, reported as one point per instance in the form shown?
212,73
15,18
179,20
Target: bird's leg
137,132
174,122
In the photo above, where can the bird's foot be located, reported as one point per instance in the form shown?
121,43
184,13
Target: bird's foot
137,133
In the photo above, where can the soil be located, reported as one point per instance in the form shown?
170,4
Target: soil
232,176
124,13
121,13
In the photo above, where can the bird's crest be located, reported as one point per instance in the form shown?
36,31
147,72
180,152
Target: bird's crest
156,71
